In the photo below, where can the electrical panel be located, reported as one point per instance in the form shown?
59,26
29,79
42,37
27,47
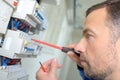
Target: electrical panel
5,14
18,19
23,17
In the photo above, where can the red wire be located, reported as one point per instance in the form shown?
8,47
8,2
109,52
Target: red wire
48,44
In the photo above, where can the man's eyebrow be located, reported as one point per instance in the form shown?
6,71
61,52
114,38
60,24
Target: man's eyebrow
88,30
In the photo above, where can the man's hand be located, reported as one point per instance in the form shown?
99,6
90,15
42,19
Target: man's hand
72,55
51,67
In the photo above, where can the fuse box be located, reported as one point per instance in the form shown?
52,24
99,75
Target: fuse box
17,19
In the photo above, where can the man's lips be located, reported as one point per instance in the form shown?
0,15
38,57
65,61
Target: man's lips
82,61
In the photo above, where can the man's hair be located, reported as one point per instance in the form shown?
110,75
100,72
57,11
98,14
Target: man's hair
113,11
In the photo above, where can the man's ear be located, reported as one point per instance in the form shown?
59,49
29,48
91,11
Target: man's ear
117,42
118,45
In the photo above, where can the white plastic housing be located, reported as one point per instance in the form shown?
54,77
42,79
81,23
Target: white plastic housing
15,72
12,3
5,14
18,44
26,10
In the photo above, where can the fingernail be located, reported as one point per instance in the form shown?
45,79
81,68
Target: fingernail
54,60
70,52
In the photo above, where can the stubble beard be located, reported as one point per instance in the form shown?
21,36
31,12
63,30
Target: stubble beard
103,74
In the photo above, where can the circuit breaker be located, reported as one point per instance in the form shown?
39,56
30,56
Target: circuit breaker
26,11
17,44
5,14
12,3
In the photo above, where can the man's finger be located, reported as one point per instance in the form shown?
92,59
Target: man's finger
74,57
46,65
54,66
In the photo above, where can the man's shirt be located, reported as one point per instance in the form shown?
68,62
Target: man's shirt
81,71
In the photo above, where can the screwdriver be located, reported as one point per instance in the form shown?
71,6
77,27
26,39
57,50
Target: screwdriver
63,49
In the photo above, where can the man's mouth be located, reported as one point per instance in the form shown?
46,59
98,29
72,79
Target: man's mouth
82,61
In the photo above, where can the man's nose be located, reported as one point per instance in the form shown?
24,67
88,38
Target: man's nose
80,47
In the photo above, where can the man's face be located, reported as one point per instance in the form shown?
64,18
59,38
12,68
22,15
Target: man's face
98,52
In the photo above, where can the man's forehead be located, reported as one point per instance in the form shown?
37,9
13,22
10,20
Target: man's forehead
96,19
98,11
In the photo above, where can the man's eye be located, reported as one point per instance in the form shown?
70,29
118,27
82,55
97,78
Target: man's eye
89,36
